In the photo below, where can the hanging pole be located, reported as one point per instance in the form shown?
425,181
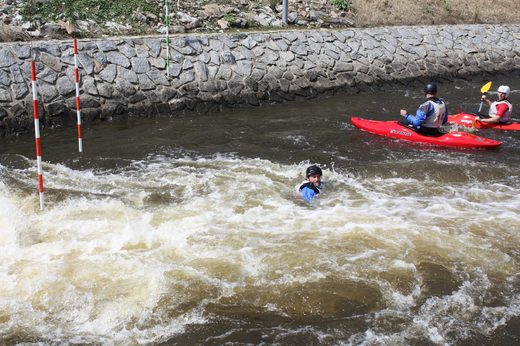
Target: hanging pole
285,11
37,133
167,24
78,104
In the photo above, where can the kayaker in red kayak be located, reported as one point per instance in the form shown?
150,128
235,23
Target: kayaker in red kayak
430,115
501,110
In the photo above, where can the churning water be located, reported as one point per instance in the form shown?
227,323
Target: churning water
188,231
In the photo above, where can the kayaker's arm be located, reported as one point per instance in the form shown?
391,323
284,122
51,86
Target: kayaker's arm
484,98
494,119
308,194
501,110
415,120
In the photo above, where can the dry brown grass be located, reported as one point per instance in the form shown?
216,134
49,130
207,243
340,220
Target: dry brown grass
426,12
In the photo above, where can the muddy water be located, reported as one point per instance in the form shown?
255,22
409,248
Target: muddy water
187,230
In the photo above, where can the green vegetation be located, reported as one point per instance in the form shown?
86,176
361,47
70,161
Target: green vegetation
231,19
446,6
344,5
120,11
144,15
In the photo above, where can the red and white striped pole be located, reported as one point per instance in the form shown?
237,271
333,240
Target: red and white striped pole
37,133
78,104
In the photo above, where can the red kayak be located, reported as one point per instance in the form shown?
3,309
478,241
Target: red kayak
393,129
468,120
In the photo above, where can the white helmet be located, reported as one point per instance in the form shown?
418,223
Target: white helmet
504,89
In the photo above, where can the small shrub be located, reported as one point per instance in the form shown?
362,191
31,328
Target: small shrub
230,18
344,5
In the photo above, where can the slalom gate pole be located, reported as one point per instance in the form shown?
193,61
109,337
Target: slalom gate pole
78,104
37,132
167,24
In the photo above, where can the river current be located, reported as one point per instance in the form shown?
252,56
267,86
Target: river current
188,231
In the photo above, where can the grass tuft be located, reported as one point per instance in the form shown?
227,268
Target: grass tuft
344,5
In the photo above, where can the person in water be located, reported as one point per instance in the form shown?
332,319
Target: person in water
312,186
501,110
430,115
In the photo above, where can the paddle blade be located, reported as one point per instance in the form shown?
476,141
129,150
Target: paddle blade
485,88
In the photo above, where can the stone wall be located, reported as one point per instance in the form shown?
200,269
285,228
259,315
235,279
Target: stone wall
127,76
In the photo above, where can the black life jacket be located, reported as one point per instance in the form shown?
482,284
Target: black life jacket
311,186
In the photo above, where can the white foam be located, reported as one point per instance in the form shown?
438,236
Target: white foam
112,245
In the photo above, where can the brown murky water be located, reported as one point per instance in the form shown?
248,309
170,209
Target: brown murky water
187,230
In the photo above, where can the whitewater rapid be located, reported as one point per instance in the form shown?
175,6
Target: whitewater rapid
142,252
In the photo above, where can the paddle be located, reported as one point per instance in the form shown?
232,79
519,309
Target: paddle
485,88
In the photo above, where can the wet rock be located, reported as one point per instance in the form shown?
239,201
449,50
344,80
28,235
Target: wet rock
7,57
5,95
118,59
3,113
109,73
56,108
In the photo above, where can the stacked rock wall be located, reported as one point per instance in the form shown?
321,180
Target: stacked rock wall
128,75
